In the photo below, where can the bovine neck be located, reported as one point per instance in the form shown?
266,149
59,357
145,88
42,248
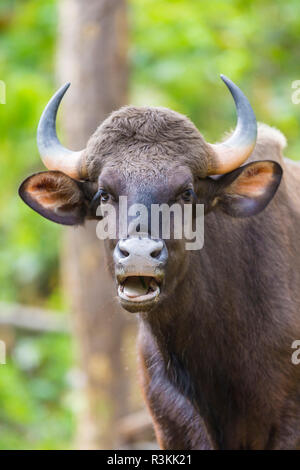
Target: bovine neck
213,333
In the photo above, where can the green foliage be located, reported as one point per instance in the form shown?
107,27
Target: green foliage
35,411
179,48
34,405
28,260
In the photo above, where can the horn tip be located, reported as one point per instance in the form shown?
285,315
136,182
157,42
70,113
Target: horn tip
62,90
225,79
65,86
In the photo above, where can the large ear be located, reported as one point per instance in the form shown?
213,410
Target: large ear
55,196
249,189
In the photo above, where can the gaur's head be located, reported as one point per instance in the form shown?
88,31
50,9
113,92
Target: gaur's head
152,156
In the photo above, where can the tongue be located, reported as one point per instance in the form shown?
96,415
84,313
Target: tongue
135,286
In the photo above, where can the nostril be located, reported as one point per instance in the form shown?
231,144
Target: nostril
155,253
124,252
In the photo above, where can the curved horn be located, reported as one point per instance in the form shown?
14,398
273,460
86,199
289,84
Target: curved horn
235,150
53,154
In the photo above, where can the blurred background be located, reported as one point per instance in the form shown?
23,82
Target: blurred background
70,378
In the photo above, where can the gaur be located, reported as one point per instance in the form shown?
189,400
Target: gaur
216,325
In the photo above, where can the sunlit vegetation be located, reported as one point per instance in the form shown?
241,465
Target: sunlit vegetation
178,49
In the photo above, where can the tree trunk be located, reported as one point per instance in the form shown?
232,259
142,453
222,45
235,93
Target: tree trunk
92,55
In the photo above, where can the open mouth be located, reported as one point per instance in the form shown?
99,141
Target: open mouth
139,289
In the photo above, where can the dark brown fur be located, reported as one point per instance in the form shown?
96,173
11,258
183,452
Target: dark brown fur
215,353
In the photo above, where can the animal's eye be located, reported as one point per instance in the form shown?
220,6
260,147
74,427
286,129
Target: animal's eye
100,196
104,196
188,195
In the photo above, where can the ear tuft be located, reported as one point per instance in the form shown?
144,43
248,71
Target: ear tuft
55,196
